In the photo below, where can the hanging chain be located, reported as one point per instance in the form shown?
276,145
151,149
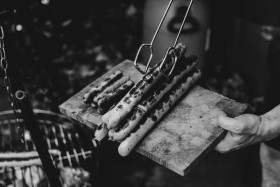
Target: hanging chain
7,82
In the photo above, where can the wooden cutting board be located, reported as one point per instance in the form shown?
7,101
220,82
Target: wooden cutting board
183,137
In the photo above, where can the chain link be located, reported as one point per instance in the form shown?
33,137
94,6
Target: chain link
1,33
7,82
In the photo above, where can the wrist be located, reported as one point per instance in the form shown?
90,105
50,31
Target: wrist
269,127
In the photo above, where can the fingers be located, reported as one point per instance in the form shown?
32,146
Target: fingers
242,131
229,143
225,145
244,124
233,142
230,124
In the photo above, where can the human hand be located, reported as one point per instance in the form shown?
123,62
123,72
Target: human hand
245,130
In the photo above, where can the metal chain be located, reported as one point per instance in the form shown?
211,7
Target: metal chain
7,82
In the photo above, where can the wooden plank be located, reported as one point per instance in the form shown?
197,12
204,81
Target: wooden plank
75,107
183,137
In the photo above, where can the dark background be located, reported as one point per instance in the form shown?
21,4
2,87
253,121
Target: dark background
62,46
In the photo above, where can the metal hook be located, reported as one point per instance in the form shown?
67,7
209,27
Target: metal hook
150,45
1,32
174,59
173,55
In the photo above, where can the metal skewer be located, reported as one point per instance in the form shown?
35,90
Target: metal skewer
150,45
173,55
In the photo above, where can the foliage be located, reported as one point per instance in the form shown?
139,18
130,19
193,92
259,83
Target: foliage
61,46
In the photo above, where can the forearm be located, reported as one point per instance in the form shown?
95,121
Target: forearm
270,123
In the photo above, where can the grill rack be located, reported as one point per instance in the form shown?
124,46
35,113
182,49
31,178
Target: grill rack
77,153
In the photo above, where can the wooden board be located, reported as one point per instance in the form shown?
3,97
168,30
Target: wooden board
76,109
183,137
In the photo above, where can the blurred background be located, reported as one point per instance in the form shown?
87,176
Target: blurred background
56,48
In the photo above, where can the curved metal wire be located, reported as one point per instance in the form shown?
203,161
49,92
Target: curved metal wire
169,50
150,45
173,56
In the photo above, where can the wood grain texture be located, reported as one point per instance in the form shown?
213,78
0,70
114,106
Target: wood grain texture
182,137
78,110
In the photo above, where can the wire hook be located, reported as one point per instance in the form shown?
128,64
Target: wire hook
171,49
150,45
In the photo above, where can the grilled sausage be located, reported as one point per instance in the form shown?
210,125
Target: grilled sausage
108,100
120,111
89,95
161,109
146,104
111,88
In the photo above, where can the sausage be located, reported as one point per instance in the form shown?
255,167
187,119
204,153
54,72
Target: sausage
161,109
90,94
111,88
108,100
120,111
101,132
147,104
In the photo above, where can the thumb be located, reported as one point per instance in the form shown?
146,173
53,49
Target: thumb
230,124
